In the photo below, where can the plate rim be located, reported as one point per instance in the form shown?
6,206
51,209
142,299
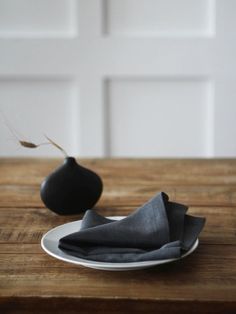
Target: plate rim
107,265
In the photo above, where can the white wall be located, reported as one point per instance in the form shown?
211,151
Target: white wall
119,77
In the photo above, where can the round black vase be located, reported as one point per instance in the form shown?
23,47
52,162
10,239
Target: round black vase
71,188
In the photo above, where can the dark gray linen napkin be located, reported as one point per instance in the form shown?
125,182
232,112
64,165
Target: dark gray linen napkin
159,229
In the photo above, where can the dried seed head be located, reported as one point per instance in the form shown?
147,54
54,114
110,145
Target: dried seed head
56,145
28,144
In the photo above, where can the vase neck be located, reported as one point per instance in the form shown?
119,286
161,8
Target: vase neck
70,161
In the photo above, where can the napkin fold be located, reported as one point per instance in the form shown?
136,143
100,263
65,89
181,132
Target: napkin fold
159,229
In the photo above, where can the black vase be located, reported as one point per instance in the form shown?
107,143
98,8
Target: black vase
71,188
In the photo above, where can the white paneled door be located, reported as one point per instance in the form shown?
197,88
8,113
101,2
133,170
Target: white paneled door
136,78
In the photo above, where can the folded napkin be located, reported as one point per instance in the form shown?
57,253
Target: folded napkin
157,230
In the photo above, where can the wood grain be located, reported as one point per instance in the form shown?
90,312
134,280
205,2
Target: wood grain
26,305
194,182
205,282
36,221
36,274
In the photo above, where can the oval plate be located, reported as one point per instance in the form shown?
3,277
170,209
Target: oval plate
49,243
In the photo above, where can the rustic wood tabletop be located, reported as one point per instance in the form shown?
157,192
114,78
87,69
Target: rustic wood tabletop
204,282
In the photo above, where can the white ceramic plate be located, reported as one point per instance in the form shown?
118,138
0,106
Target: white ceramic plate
49,243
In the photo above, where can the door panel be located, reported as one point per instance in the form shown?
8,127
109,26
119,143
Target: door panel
119,78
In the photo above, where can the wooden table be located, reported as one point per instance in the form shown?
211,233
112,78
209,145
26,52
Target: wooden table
205,282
